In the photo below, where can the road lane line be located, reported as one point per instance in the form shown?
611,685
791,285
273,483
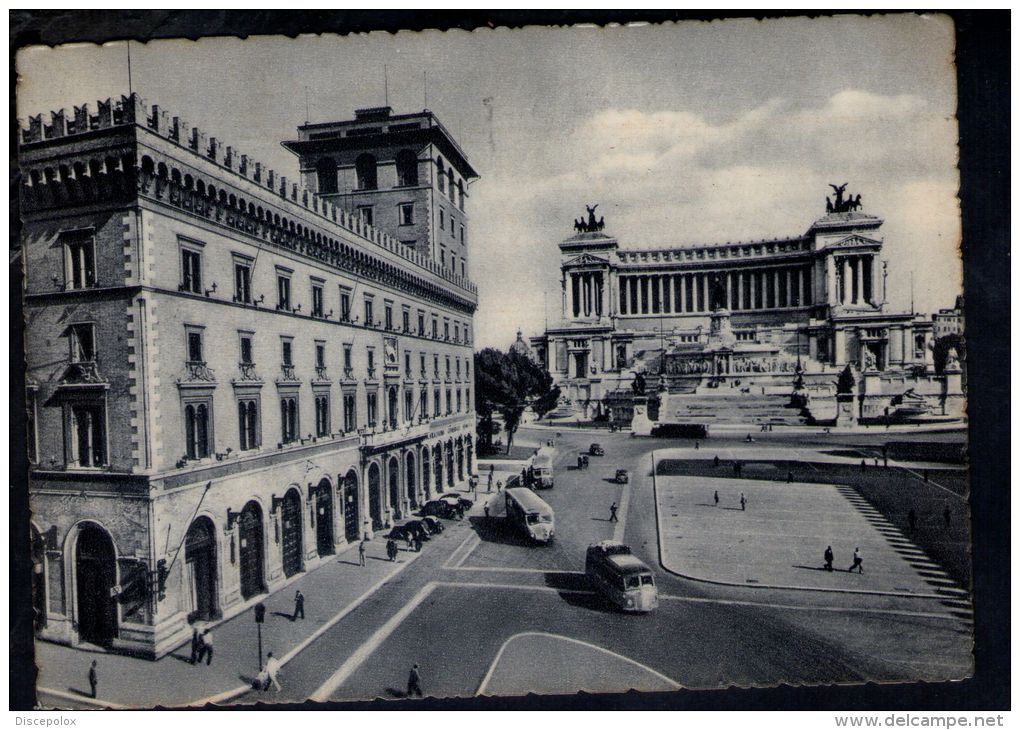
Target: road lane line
827,609
622,511
363,652
483,569
467,551
560,637
514,586
458,548
80,698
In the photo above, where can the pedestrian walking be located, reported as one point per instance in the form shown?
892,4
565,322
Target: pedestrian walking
299,606
789,477
885,461
391,550
828,558
414,682
876,462
272,672
612,513
207,647
361,552
580,462
912,519
489,488
499,486
864,465
409,539
716,497
194,645
94,677
743,502
486,510
715,461
858,561
460,511
947,515
696,446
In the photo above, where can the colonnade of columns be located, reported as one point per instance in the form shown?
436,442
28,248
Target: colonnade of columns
771,288
587,294
852,279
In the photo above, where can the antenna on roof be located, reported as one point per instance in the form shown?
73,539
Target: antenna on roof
307,115
425,87
130,88
386,86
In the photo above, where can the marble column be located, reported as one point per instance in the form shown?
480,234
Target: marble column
683,293
667,294
831,292
856,296
575,294
754,279
729,290
788,300
775,289
623,294
644,295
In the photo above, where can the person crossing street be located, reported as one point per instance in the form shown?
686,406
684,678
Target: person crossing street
612,513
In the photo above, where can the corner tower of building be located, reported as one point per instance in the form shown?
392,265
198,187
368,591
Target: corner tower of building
405,174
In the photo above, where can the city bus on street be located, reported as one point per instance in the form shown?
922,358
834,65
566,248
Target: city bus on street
621,577
530,513
543,468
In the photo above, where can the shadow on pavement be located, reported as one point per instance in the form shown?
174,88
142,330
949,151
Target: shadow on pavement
79,692
498,530
395,693
568,581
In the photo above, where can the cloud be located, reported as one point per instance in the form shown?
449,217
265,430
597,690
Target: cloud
671,178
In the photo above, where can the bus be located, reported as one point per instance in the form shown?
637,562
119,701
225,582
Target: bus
528,511
621,577
543,468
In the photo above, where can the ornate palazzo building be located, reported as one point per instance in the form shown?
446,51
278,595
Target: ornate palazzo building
230,376
705,316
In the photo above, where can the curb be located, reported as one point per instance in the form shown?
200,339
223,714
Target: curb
97,703
731,584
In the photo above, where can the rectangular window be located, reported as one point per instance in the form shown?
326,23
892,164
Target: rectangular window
449,402
371,402
388,314
350,412
458,368
442,219
407,214
467,368
248,424
345,304
408,405
371,362
87,442
197,429
435,328
289,419
191,271
463,269
348,361
435,365
83,342
447,367
423,404
320,354
322,415
365,211
407,364
80,260
446,331
242,281
317,300
456,332
247,357
467,335
462,235
421,324
459,402
442,257
423,371
195,346
437,406
369,314
406,321
287,352
283,292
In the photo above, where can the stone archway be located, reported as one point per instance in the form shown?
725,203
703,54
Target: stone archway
352,527
393,472
375,496
426,474
95,578
411,478
449,464
251,551
437,464
292,537
200,573
324,518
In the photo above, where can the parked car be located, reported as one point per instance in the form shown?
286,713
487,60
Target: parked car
432,524
596,450
453,499
438,508
419,528
622,477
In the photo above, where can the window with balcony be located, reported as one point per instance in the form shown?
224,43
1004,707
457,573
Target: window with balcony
463,269
242,281
248,423
83,342
459,404
446,331
79,260
423,404
246,363
456,332
345,304
350,412
348,361
405,322
422,358
388,315
437,405
370,354
283,292
435,328
197,436
86,435
435,365
372,407
442,257
369,313
449,403
408,405
318,309
467,335
322,415
458,368
407,214
320,361
462,227
421,324
289,419
367,214
447,367
287,358
191,270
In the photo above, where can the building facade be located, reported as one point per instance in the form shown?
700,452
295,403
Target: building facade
230,376
707,315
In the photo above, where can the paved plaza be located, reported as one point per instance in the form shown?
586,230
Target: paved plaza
780,538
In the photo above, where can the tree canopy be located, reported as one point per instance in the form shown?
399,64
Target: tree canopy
506,383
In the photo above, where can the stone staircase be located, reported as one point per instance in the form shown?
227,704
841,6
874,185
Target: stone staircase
737,408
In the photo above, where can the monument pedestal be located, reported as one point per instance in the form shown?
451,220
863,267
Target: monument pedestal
641,424
720,331
954,403
846,413
872,402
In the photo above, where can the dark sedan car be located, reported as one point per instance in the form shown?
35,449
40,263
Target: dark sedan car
596,450
438,508
453,499
432,524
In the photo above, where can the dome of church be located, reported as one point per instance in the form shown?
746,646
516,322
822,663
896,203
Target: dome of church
521,347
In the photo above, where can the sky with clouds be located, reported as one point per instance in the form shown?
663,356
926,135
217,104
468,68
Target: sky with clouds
685,133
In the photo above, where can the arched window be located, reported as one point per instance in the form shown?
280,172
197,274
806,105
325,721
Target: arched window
442,175
449,178
366,169
325,170
407,168
196,430
460,194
